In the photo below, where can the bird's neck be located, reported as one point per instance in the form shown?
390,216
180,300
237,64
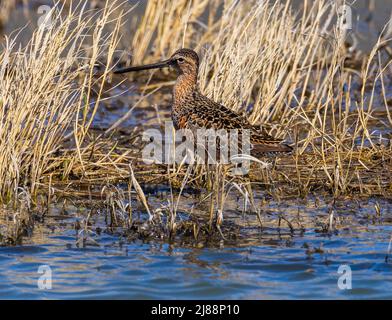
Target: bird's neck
185,85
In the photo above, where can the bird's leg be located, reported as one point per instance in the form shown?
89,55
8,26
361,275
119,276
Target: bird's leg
210,187
249,190
221,192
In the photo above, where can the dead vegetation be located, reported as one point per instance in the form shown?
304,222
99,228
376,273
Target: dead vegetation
291,71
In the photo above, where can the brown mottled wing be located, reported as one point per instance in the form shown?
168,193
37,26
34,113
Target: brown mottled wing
205,113
201,112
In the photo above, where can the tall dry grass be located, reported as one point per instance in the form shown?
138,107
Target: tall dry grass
46,91
167,25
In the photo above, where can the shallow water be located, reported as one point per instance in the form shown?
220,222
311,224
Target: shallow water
272,264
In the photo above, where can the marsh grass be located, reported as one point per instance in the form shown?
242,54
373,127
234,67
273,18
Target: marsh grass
169,25
47,92
286,70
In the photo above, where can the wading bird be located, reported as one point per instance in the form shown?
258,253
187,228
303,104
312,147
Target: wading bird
192,110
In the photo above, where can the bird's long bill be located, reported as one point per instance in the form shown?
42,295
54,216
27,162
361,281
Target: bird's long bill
158,65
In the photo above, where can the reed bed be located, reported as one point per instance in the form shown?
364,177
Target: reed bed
292,72
46,92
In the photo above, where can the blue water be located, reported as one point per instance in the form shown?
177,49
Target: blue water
298,267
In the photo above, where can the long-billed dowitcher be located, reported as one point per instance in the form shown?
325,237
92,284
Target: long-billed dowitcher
192,110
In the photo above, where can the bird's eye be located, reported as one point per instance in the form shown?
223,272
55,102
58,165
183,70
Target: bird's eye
180,60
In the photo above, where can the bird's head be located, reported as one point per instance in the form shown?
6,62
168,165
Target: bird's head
185,61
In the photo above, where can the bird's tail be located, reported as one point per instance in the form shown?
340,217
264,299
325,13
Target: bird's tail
260,149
